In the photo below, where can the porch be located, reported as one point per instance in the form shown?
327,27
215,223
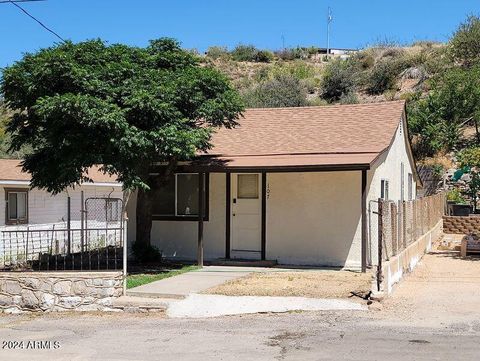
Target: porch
309,216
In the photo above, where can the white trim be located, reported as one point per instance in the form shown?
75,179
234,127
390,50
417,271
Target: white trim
27,183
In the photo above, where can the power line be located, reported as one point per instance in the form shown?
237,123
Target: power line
18,1
14,3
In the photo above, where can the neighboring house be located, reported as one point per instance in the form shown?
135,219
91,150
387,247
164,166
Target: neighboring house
289,184
21,206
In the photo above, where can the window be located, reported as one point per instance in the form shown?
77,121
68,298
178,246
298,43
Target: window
384,189
17,206
178,200
410,186
113,210
402,181
247,187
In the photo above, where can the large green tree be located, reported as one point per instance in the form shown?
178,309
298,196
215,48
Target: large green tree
454,101
124,107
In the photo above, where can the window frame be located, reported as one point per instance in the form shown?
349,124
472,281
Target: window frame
383,182
9,221
110,210
402,182
410,186
175,217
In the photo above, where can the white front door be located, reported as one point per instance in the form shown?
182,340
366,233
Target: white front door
246,216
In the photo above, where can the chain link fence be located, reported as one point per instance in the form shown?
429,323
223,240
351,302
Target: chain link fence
402,223
91,238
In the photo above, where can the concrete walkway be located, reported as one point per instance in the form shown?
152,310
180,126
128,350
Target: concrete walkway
203,306
192,282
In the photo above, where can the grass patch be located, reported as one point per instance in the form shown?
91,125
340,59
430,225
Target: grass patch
135,280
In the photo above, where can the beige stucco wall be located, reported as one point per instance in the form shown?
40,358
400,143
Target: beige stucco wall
388,166
314,218
178,239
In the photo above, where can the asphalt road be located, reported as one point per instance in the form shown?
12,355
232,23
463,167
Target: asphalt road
433,315
294,336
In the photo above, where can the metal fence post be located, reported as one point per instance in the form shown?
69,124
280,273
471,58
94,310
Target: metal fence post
69,219
82,220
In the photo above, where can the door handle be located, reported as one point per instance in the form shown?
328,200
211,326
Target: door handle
233,214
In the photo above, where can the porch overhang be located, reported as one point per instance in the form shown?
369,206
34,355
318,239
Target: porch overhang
280,163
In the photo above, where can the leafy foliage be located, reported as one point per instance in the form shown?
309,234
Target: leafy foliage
120,106
218,52
465,43
281,91
436,119
251,53
383,76
469,158
454,195
338,80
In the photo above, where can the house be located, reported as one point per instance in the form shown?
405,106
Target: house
21,206
288,184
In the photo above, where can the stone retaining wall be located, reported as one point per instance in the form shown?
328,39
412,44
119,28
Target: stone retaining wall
59,291
461,225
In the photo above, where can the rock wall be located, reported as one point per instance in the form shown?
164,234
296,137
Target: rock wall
461,225
59,291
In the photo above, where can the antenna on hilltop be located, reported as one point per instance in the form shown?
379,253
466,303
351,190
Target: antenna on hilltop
329,20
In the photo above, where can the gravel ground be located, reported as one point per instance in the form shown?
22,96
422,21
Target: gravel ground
316,284
444,288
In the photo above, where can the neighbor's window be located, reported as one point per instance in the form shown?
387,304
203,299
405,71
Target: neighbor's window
410,186
179,198
113,210
384,189
17,206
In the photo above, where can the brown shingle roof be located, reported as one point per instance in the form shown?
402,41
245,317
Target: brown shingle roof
10,170
339,134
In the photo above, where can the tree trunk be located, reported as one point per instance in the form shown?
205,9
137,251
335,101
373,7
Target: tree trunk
144,217
145,202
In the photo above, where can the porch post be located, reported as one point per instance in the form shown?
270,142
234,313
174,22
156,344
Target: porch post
201,202
364,220
264,217
228,200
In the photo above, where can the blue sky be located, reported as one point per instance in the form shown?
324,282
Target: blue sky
202,23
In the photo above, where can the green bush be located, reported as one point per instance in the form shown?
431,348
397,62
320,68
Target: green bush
298,69
281,91
146,253
293,53
454,195
264,56
311,84
218,52
382,77
251,53
338,80
349,98
362,60
244,53
465,43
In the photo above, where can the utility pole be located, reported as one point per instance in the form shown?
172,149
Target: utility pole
283,42
329,20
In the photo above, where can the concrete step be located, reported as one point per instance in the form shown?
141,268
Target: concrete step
159,295
242,263
141,304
